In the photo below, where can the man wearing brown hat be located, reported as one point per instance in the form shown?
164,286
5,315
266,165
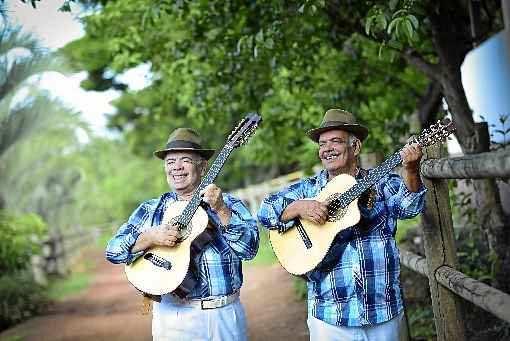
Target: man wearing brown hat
212,310
354,293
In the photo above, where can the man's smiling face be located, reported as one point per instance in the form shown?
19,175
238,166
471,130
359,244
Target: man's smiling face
335,153
184,171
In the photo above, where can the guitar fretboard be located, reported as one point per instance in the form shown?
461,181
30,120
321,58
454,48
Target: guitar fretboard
211,175
373,176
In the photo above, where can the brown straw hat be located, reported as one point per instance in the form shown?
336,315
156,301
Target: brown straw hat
338,119
184,140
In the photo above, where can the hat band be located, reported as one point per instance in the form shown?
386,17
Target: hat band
177,144
337,123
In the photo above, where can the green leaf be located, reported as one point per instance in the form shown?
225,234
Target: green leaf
269,43
409,29
368,24
66,7
392,25
399,13
382,21
260,36
414,21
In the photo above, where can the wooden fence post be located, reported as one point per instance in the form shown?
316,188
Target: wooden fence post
37,263
440,250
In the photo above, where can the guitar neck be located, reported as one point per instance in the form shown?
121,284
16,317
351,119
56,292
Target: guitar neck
373,176
209,178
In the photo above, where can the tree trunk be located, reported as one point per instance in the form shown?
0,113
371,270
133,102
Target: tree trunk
451,39
429,104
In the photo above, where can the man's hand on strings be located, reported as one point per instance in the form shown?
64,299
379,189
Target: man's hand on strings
411,155
213,196
164,235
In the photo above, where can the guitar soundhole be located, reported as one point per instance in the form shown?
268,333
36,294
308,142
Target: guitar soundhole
335,212
184,231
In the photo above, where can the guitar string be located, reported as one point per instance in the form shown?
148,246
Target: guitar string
438,131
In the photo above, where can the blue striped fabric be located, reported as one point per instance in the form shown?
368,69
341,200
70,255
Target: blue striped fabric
360,285
220,271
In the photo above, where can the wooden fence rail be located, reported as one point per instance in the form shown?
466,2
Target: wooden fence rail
476,166
57,249
479,293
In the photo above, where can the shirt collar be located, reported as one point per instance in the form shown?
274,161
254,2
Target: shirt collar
322,178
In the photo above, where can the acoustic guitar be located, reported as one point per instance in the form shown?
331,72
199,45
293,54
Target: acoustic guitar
162,269
301,248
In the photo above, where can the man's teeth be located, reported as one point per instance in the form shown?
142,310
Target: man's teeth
331,157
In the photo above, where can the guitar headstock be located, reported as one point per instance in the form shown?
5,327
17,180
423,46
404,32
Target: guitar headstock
435,133
244,130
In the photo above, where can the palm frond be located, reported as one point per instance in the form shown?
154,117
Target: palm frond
14,72
14,37
21,121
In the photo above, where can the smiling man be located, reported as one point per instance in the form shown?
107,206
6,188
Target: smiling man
354,293
212,310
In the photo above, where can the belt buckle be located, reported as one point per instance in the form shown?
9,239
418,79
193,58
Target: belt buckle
204,307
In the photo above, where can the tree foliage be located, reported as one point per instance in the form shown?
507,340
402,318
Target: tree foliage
212,61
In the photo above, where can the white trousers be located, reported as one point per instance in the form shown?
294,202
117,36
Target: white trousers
386,331
184,323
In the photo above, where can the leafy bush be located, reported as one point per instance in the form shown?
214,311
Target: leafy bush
21,296
17,242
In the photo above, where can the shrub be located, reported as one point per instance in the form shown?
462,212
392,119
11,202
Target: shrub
17,242
21,296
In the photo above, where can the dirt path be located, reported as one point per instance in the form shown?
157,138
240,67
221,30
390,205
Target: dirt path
109,310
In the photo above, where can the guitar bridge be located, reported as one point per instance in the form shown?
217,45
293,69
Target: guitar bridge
158,261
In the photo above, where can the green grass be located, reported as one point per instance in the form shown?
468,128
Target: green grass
15,338
265,255
103,239
78,280
421,322
404,225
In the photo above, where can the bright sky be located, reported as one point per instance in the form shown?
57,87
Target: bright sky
486,80
55,29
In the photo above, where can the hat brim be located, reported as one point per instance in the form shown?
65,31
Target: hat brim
205,153
361,132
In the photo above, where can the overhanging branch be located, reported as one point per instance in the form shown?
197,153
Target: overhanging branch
415,59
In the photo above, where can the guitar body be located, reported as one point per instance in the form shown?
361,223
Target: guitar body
289,247
158,280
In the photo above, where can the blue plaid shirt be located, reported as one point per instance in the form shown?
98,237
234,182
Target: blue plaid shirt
220,271
360,285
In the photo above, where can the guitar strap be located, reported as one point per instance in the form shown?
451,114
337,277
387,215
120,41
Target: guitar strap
191,278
